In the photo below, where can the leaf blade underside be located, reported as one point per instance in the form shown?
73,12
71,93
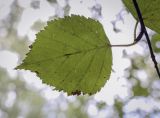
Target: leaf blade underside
72,54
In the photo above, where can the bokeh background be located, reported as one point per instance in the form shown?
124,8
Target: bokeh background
133,90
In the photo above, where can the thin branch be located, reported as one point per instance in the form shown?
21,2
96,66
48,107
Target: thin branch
146,35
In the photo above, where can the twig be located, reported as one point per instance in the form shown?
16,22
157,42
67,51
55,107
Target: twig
146,35
136,39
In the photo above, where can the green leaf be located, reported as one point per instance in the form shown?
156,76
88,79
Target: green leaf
119,107
72,54
155,40
138,90
150,10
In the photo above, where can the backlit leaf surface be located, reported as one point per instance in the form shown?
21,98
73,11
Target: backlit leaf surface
72,54
150,12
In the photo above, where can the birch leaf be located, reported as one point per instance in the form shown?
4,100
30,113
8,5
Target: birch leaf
72,54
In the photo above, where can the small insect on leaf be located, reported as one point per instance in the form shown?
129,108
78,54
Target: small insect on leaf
72,54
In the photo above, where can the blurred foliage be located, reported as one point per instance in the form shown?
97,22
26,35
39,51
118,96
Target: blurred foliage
138,90
156,43
143,87
101,105
38,25
52,1
35,4
11,41
119,107
17,99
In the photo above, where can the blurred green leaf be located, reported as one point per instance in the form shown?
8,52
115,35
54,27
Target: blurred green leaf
155,40
101,105
119,107
16,97
138,90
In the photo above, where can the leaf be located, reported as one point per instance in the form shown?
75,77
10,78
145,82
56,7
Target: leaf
72,54
138,90
119,107
150,10
155,40
101,105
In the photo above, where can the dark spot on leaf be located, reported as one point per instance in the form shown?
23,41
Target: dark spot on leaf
67,54
30,46
90,93
36,72
77,92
